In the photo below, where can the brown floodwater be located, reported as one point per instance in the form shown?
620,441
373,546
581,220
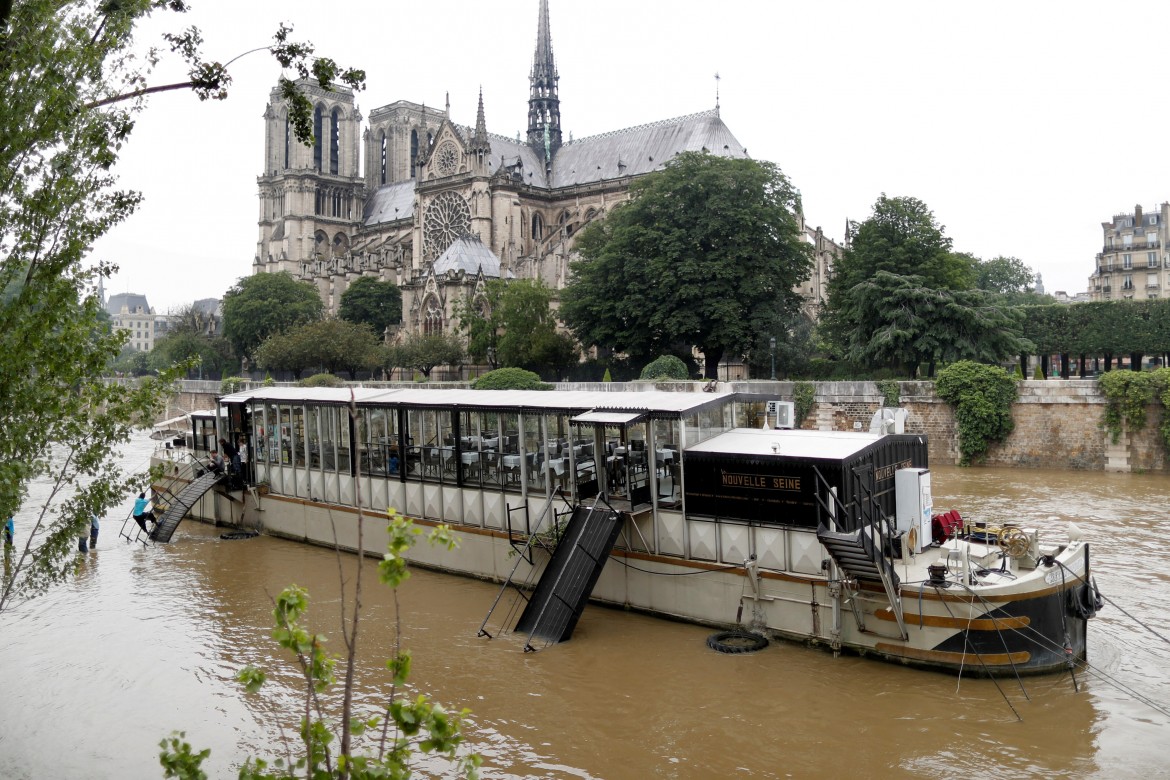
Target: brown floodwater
147,641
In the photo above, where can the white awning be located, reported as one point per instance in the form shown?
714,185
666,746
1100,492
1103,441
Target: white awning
180,423
609,418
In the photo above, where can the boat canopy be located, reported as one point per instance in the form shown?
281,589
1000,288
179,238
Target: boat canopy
650,402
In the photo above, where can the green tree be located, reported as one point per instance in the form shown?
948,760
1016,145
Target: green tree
515,319
902,237
900,296
901,322
706,253
1004,275
261,305
425,352
70,86
371,302
666,367
337,345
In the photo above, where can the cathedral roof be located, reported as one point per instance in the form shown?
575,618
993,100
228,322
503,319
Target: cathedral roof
470,255
639,150
389,203
630,152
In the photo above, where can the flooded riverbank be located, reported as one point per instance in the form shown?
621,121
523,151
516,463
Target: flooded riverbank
148,640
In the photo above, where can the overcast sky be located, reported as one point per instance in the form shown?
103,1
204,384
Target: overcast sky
1022,125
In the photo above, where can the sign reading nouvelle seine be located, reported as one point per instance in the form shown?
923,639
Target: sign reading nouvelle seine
762,490
760,481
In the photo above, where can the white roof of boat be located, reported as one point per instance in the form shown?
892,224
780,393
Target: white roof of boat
648,401
834,445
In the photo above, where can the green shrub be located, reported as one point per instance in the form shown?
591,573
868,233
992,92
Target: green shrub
510,379
606,377
322,380
666,367
891,390
804,396
231,384
1128,393
268,380
1038,373
982,396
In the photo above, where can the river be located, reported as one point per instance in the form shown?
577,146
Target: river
146,641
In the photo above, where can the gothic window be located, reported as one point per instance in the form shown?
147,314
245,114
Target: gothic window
566,226
537,227
447,218
447,159
318,117
318,202
383,175
334,139
337,203
287,141
340,245
432,316
413,152
320,245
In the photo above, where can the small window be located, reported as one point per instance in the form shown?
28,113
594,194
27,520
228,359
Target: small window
1127,260
1152,259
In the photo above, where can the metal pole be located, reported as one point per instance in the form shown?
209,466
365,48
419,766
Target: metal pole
772,350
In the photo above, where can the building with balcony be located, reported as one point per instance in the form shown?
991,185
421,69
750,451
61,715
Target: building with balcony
1134,262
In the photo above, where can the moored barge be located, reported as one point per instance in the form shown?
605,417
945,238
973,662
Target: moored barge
828,538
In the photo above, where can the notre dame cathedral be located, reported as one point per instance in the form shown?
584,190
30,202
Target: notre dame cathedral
439,208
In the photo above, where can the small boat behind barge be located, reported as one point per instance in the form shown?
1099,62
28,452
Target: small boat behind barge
823,537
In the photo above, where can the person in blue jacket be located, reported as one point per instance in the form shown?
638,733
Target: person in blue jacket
9,533
142,511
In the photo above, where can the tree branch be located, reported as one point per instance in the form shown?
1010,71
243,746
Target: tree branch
139,93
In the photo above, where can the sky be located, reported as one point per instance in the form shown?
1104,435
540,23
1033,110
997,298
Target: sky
1022,125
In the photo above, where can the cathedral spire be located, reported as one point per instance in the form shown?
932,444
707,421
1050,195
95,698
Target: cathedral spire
544,107
479,141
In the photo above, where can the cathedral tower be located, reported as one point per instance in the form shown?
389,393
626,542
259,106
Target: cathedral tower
311,195
544,107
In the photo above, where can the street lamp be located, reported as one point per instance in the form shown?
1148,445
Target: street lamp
491,356
772,351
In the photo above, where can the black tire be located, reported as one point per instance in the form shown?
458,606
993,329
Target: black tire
736,642
238,535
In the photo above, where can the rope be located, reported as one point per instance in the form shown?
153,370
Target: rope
623,562
967,643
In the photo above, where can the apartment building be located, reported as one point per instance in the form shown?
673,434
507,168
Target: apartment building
1134,262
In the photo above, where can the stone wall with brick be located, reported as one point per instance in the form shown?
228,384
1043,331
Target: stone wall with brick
1057,424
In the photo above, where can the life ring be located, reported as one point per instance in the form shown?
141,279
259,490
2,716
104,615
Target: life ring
232,535
736,642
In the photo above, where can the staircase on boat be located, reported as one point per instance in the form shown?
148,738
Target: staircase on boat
568,580
863,553
564,580
181,504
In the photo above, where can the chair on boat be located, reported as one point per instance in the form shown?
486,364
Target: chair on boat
945,526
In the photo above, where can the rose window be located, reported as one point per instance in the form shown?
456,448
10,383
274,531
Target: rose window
447,218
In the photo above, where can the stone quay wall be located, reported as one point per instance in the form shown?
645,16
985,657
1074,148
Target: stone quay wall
1058,423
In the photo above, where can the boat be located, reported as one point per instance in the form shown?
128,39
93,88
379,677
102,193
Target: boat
567,498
